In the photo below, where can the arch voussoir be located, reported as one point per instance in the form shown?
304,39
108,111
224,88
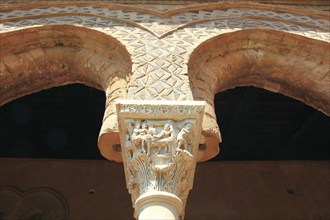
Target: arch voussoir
295,66
40,58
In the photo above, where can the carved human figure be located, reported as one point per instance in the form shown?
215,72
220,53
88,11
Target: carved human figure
135,134
150,136
183,138
139,136
165,138
129,146
128,135
151,130
128,143
144,129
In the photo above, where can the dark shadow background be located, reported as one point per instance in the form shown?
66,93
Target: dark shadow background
64,122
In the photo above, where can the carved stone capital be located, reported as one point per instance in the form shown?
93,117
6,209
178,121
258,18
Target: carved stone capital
159,143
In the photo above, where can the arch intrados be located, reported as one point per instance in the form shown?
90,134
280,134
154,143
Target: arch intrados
225,44
39,58
280,62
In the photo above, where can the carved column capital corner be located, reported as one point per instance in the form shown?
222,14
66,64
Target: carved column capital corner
159,141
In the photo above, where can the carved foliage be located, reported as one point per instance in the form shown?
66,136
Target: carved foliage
159,154
159,145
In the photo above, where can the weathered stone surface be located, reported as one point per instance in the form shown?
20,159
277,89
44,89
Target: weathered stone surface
166,52
275,61
161,58
159,144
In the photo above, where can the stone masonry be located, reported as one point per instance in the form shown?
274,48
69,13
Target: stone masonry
165,51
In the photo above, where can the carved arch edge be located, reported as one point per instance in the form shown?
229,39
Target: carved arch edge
258,58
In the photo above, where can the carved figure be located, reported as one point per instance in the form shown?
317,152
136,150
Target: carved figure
150,137
128,142
151,130
163,166
164,139
183,138
139,136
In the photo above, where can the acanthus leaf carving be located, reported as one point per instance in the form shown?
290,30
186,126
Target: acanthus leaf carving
159,145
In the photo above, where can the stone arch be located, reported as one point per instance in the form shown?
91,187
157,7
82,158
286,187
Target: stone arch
39,58
292,65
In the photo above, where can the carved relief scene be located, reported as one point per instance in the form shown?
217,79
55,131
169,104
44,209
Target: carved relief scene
159,139
159,142
159,155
